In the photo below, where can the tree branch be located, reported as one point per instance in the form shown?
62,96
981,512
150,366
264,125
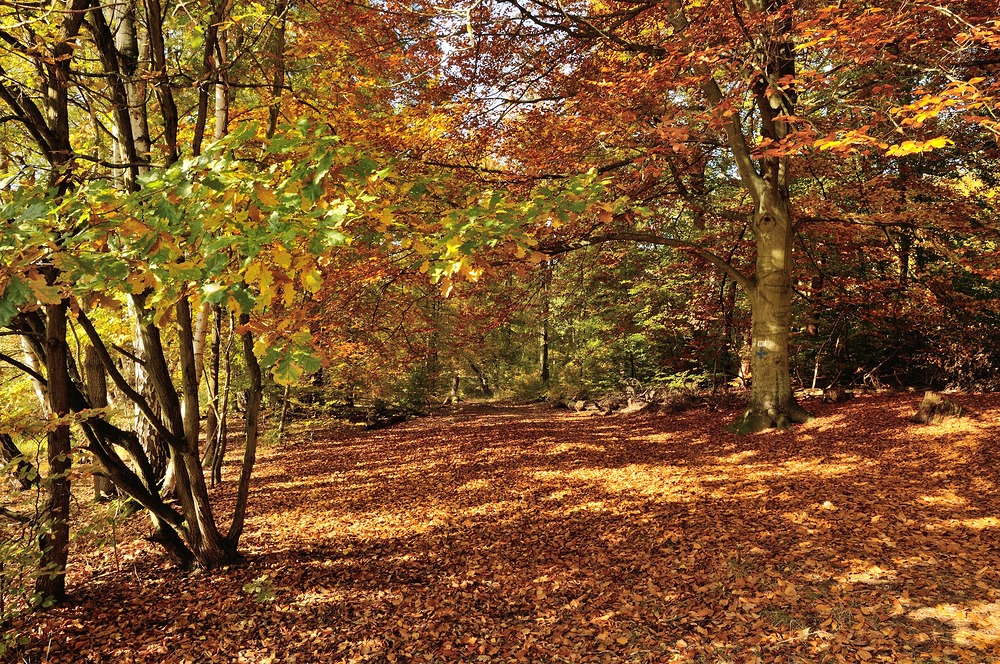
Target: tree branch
23,367
651,238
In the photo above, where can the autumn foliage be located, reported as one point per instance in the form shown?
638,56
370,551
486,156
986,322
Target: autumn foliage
528,534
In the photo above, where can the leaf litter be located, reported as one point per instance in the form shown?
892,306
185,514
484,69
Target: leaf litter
500,533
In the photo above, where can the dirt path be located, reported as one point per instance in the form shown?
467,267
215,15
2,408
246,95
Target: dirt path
524,534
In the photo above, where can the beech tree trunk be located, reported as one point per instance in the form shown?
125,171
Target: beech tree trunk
771,403
96,384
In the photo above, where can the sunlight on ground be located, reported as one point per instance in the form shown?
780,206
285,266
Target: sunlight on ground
863,572
738,458
569,448
817,467
944,498
976,624
684,438
826,424
973,524
475,485
662,481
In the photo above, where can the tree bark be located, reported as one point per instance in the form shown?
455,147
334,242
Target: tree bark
96,383
543,327
771,402
23,472
54,540
252,429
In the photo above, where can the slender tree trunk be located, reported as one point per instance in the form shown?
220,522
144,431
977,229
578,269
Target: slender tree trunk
484,383
153,444
34,360
251,433
23,472
284,413
278,66
54,540
543,328
96,384
212,420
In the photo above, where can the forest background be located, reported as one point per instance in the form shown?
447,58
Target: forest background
217,205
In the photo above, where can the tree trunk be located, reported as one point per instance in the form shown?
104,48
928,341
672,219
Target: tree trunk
151,442
484,383
96,383
212,420
23,472
252,430
277,62
771,402
54,540
215,452
34,359
543,328
284,413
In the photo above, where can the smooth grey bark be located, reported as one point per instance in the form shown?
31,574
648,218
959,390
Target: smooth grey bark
96,385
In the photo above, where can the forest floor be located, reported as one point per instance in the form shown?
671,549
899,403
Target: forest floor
500,533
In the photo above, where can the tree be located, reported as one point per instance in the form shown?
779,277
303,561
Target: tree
700,113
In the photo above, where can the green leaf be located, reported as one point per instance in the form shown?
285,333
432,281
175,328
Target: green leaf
15,295
34,212
244,298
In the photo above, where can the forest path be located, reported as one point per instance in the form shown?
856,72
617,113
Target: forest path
525,534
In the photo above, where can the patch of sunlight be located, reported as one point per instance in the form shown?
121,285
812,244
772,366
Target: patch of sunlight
944,498
973,524
739,457
826,423
475,485
646,480
863,572
318,596
976,624
592,506
675,438
557,495
563,448
817,467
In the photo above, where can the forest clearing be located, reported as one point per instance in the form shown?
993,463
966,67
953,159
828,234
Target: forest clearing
503,533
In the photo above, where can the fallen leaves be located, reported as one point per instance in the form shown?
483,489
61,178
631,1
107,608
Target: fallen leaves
519,534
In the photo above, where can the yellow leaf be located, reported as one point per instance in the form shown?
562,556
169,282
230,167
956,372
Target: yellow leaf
938,142
252,273
44,293
264,195
312,281
384,221
282,258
